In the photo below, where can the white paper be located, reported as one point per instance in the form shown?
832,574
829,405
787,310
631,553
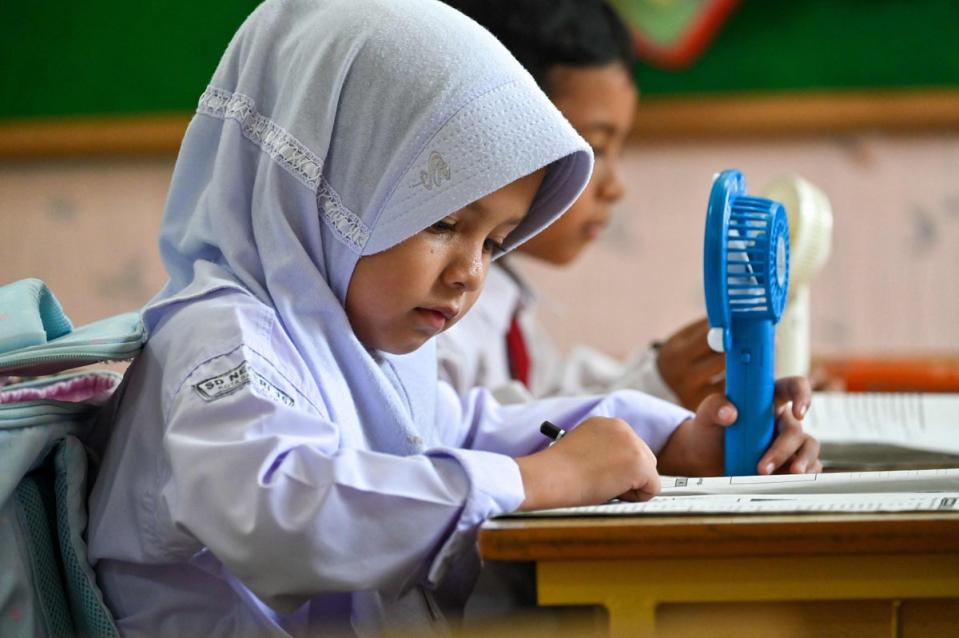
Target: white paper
920,420
766,504
937,480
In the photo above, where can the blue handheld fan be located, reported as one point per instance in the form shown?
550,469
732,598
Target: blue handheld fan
746,273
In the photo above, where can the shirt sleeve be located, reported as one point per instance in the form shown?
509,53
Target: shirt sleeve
484,436
482,423
268,487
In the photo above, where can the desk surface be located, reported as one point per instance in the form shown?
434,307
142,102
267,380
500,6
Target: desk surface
530,539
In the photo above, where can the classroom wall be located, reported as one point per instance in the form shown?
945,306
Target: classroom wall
890,284
89,226
89,229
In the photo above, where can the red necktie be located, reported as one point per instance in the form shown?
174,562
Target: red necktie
516,352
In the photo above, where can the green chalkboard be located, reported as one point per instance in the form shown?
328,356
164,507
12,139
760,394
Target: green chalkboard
779,45
110,57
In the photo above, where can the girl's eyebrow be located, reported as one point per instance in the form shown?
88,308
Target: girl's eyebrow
601,127
481,207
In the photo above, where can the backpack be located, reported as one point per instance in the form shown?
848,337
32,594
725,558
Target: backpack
47,587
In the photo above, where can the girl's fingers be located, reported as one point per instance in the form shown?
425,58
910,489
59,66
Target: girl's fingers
789,440
807,457
798,391
717,387
648,490
717,409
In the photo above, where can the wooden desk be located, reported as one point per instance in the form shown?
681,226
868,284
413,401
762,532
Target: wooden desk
634,565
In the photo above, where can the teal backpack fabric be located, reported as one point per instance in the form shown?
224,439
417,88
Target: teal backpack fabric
31,315
47,587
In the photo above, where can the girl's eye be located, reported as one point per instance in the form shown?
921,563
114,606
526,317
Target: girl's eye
493,247
443,226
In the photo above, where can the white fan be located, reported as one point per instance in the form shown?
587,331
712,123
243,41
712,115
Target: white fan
810,233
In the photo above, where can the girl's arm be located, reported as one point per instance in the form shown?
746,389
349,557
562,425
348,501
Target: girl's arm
478,422
277,495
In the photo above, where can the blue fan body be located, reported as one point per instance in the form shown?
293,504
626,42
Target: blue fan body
746,275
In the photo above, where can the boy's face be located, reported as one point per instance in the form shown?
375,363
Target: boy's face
399,298
599,102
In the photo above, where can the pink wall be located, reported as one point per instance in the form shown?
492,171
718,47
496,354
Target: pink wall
89,229
891,283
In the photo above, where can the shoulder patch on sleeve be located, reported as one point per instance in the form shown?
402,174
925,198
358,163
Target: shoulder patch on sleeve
229,382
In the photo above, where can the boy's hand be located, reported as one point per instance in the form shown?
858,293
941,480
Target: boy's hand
690,368
601,459
696,447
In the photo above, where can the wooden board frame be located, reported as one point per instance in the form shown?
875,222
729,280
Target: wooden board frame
667,119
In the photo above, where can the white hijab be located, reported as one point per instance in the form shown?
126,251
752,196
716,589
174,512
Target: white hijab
336,129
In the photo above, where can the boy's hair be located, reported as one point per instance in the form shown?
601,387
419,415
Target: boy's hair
542,34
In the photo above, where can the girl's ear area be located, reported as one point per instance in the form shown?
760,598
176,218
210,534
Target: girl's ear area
351,277
563,182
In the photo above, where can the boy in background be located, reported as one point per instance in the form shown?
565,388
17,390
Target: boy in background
580,54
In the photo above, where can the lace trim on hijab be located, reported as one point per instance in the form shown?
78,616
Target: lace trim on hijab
292,155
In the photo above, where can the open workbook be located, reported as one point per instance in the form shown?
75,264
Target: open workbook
887,491
865,432
885,430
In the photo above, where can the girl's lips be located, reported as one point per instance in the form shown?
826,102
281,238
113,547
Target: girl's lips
592,230
433,319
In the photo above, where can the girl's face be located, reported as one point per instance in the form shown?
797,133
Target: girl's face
399,298
600,103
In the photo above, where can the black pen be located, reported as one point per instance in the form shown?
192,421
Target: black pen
552,431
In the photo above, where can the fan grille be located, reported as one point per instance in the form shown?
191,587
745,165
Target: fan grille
755,279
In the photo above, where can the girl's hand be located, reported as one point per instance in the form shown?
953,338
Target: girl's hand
601,459
689,367
696,447
792,451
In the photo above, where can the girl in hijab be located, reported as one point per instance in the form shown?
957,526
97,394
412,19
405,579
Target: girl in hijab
283,460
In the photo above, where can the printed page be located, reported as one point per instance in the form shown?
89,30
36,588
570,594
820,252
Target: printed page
765,504
908,420
938,480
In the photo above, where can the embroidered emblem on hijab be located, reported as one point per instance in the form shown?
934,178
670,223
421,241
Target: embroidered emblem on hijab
229,382
436,171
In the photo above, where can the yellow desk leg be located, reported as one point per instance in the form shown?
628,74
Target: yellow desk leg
632,589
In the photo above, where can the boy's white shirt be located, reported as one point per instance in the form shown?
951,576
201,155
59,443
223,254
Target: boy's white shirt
473,352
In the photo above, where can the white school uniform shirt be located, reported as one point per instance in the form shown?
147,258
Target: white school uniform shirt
473,352
267,474
304,503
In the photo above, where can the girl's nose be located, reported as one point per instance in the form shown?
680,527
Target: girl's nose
612,188
466,270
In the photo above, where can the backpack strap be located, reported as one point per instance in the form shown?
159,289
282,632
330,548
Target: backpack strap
30,315
90,614
40,607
